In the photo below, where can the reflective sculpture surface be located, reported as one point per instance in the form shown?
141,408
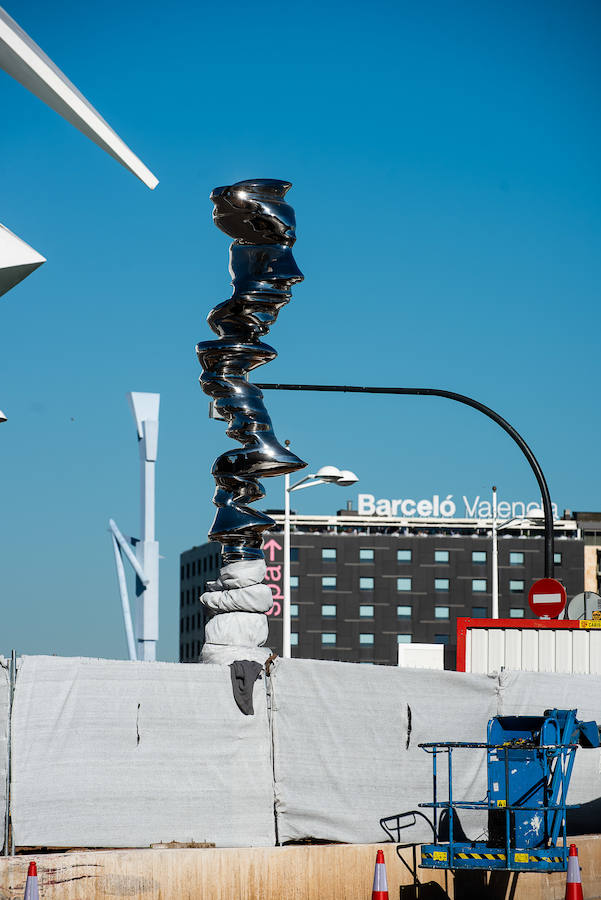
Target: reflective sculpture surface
263,270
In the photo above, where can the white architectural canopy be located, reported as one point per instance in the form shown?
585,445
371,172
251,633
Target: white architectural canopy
28,64
17,260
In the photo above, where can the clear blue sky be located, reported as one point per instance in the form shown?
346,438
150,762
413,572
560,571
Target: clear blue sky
445,162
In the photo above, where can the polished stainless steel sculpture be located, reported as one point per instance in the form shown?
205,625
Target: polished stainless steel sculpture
263,270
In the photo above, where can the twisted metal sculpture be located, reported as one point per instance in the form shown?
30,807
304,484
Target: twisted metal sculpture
263,270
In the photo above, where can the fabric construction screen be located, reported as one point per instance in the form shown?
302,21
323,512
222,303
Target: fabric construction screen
126,754
531,693
4,701
346,746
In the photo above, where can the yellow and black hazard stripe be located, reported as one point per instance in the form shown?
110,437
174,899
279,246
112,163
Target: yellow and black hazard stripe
548,859
480,855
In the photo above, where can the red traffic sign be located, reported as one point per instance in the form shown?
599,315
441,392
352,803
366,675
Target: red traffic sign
547,598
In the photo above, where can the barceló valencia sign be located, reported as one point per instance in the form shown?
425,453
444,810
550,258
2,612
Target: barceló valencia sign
547,598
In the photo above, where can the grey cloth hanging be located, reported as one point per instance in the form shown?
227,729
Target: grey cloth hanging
244,673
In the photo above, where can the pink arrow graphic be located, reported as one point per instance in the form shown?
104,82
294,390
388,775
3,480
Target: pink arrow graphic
271,546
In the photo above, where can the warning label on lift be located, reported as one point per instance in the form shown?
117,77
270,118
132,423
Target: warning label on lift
589,623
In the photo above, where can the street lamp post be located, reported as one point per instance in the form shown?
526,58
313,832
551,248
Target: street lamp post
325,475
547,509
495,558
536,514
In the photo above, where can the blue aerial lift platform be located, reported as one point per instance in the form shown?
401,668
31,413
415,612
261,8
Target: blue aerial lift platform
529,763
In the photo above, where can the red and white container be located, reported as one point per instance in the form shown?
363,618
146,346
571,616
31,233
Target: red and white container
531,645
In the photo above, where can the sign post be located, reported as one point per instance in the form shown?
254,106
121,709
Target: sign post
547,598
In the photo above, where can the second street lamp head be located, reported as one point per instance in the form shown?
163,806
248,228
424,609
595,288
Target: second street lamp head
2,417
347,477
329,473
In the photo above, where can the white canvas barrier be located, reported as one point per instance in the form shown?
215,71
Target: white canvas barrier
346,746
4,692
126,754
530,693
122,754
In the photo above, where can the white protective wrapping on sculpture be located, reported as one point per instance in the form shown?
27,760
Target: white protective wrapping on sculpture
124,754
346,746
237,602
531,693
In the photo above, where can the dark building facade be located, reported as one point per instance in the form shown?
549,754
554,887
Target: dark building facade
360,586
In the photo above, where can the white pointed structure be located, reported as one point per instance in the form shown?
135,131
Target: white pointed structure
28,64
17,260
143,633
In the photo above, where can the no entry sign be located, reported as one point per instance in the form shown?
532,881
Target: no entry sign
547,598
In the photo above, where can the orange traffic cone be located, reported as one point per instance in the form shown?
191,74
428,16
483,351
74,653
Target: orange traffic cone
380,889
573,882
31,885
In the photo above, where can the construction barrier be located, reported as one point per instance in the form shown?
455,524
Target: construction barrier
109,753
121,754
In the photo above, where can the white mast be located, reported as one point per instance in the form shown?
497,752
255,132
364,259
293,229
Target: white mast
144,634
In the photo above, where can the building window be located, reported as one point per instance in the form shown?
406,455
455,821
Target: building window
294,581
479,585
479,612
403,638
328,638
328,553
404,612
328,610
441,639
515,613
441,556
187,570
204,564
366,584
294,554
366,611
516,587
441,584
516,559
403,584
328,583
557,559
365,639
441,612
366,555
294,638
294,610
403,556
181,572
181,599
478,556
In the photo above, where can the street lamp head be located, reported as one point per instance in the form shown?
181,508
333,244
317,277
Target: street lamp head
347,477
329,473
2,417
537,514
